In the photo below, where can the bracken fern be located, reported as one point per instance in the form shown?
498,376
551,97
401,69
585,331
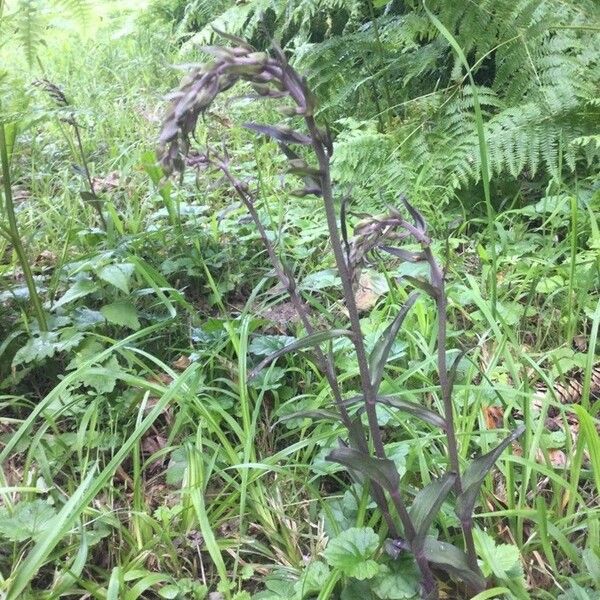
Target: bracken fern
535,62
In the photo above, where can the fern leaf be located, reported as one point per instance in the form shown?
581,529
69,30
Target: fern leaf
29,23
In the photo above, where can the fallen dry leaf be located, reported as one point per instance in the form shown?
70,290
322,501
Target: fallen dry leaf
493,416
109,182
182,363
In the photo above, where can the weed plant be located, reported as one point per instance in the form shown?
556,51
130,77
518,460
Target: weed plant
152,444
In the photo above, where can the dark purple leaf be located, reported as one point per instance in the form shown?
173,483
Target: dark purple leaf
423,285
405,255
242,43
475,474
452,560
383,471
88,196
416,410
308,414
380,353
356,433
315,190
281,134
427,503
415,214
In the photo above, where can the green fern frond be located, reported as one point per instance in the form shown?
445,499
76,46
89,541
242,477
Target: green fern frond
29,25
535,62
30,19
78,9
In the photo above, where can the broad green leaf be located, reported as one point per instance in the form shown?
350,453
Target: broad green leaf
47,344
576,592
357,590
278,587
313,579
383,471
102,379
341,512
475,474
118,275
176,467
29,520
37,348
397,581
397,452
85,318
352,552
79,289
501,560
380,353
170,592
452,560
114,584
306,342
501,593
427,503
321,280
263,345
121,313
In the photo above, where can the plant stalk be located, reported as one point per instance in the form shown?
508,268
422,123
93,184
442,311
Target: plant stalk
15,236
437,280
369,394
96,202
324,362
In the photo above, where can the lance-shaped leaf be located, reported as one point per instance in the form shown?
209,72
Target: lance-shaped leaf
220,52
282,133
356,433
381,351
344,224
454,561
416,410
475,474
306,342
242,43
298,166
427,504
405,255
307,191
423,285
415,214
453,370
316,414
381,470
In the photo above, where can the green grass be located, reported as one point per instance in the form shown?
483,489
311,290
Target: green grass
155,476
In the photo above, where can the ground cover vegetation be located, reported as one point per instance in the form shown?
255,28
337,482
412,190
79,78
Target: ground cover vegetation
299,300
